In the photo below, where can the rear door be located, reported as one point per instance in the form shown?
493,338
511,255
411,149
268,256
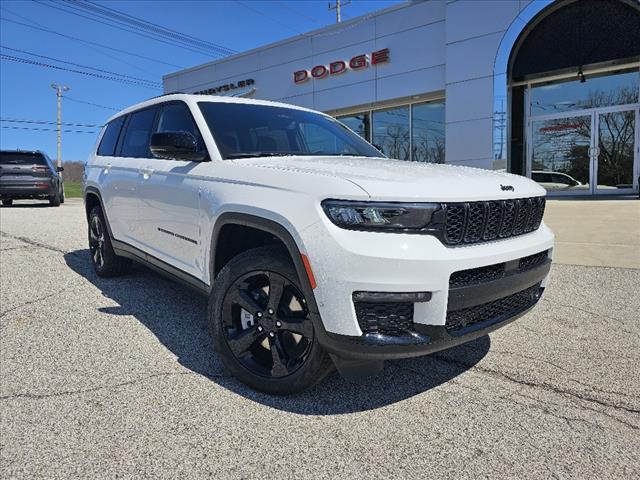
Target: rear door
169,192
121,165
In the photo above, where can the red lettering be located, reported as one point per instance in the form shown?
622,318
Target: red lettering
381,56
300,76
319,71
358,62
337,67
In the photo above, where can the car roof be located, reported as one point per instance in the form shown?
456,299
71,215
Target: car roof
198,98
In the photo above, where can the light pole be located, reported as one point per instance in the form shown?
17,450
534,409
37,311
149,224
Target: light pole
59,89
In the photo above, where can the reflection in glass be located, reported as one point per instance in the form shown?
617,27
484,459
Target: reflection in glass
615,149
595,92
391,132
561,158
427,123
359,123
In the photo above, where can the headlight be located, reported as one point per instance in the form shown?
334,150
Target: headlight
407,217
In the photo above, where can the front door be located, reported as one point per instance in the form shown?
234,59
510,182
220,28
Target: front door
169,192
586,152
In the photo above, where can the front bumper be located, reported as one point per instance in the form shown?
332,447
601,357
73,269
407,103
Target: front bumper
385,262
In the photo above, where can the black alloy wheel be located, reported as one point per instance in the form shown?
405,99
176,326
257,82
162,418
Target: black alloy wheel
266,324
96,241
263,329
103,258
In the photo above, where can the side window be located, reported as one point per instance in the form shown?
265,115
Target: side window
138,133
175,117
109,140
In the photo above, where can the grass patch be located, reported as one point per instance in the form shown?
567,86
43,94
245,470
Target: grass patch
72,189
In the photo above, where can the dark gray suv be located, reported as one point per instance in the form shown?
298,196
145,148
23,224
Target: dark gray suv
25,175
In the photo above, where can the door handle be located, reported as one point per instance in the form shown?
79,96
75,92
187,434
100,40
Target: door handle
146,172
107,168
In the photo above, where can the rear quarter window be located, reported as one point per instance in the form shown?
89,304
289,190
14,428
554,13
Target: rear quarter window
107,147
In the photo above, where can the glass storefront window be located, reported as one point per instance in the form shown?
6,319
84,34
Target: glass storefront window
391,132
359,123
427,125
594,92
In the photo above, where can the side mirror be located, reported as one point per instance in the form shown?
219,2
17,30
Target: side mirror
176,146
59,169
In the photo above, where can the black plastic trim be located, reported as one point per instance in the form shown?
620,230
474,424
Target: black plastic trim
384,297
469,296
434,338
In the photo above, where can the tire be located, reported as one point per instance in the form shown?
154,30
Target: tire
7,202
54,201
278,352
61,194
104,260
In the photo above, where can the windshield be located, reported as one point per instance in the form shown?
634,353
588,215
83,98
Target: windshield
243,130
22,158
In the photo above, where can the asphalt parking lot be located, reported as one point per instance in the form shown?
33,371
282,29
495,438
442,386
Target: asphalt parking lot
116,378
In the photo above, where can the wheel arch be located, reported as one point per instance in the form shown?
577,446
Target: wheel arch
269,228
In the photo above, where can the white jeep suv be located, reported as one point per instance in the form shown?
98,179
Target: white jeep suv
314,249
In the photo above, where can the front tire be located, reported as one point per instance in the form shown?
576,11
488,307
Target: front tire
104,260
262,329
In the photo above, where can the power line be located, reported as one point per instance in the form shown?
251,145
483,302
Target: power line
120,16
90,74
92,104
284,5
49,122
48,129
88,42
105,20
138,79
268,17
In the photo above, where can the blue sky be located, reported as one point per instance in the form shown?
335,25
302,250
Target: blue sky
25,92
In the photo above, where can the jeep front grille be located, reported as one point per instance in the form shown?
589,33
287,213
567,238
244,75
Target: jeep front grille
475,222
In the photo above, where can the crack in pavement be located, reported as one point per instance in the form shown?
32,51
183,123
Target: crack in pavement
597,314
37,396
35,300
563,369
544,386
36,243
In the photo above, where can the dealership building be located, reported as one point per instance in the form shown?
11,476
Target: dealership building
547,89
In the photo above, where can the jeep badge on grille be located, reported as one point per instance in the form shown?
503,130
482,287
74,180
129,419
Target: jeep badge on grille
507,188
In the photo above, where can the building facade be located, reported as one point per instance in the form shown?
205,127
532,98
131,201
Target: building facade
549,89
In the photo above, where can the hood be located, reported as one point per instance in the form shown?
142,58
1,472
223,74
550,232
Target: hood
397,180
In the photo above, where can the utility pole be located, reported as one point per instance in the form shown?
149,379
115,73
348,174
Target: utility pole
338,8
59,89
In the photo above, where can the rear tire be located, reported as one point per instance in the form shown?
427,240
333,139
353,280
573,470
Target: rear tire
104,260
61,194
7,202
276,350
54,201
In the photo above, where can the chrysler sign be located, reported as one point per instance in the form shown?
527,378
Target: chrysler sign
249,82
359,62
